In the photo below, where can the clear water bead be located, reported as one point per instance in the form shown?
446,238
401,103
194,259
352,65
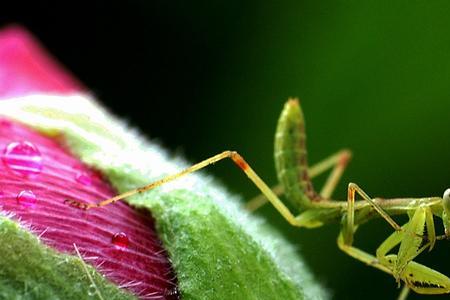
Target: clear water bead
120,239
23,158
27,199
83,178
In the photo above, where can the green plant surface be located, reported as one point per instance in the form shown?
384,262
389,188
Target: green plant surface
218,251
30,270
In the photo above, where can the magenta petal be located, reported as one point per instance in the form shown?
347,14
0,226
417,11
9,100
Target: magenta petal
117,239
37,174
26,68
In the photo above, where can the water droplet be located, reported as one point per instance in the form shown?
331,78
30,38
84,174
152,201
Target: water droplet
26,198
92,290
120,239
23,158
83,178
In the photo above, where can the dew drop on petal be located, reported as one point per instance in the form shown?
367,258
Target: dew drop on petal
120,239
83,178
23,158
26,198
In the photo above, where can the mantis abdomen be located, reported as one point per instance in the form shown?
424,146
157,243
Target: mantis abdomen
291,157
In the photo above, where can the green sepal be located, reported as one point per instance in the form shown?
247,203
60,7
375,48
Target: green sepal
31,270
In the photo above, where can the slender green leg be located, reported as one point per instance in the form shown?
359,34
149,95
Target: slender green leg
234,156
348,226
345,239
388,244
337,161
404,293
340,162
260,200
360,255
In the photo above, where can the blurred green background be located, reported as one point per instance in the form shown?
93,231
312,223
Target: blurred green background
373,76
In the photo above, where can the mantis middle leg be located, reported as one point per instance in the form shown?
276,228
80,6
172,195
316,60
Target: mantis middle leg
345,238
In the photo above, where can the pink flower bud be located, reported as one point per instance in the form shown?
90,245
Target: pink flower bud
38,173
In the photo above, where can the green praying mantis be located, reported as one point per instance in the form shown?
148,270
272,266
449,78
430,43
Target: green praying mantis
317,209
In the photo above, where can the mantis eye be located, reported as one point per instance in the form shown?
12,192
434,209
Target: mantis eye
447,193
446,200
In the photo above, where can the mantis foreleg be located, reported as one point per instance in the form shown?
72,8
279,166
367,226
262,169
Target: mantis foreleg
410,239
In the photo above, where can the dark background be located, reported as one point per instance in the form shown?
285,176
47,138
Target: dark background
373,76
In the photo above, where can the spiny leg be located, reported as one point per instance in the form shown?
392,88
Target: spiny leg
418,277
413,239
408,249
237,159
337,161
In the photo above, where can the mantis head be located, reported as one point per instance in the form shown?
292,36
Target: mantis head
446,212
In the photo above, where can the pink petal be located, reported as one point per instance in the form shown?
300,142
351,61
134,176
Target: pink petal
37,174
26,68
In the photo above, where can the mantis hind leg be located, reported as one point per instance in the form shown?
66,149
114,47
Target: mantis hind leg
337,162
233,155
